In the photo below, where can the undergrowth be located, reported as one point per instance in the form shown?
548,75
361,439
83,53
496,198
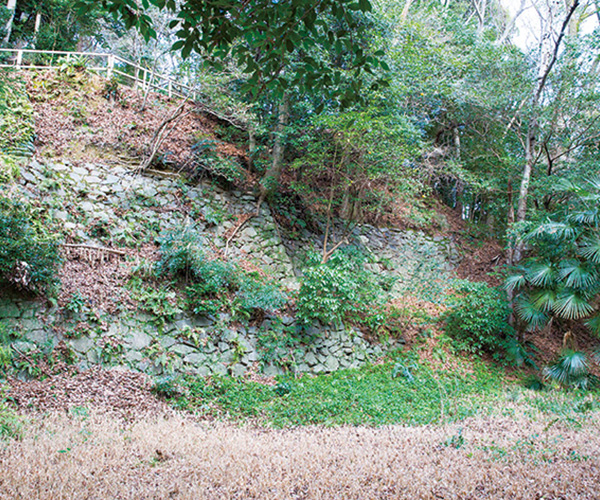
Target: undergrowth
401,391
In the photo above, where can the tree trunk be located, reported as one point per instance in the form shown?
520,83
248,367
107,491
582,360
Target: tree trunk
480,8
405,10
271,177
36,30
548,56
12,7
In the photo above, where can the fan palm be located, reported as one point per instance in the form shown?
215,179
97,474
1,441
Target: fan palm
561,278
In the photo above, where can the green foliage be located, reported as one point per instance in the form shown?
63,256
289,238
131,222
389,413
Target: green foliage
218,167
371,395
304,32
520,353
168,386
280,345
256,294
181,253
560,278
477,317
167,361
29,254
160,303
212,284
338,290
62,27
16,122
11,425
7,335
570,370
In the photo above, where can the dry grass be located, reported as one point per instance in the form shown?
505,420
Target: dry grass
102,458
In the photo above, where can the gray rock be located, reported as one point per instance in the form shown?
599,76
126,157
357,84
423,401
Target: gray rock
182,349
28,177
332,363
9,310
82,345
23,346
37,336
219,369
310,359
139,340
201,370
238,370
93,357
302,368
133,356
271,370
166,341
195,358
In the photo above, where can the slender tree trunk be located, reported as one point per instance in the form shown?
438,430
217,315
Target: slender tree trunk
12,7
273,173
36,30
405,10
548,55
480,8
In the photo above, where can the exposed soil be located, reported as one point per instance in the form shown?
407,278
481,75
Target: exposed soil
86,126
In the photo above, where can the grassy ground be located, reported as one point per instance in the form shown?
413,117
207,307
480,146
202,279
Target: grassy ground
400,391
461,433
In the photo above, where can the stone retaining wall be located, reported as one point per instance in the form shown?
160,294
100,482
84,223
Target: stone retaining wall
111,205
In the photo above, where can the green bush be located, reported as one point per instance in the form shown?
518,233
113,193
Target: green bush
214,285
339,290
29,255
11,425
477,317
181,252
255,295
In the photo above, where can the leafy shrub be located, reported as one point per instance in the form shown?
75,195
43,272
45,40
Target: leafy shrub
180,253
16,119
255,295
519,353
477,317
339,290
29,255
161,303
214,285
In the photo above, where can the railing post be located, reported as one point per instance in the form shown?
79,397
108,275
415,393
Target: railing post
110,66
19,58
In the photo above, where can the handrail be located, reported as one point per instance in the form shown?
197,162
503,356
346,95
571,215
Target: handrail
164,84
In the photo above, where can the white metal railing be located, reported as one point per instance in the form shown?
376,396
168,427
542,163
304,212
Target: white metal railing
107,64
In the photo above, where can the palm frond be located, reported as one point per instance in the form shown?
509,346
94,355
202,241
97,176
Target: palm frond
575,274
544,299
515,282
593,324
553,229
590,249
519,354
541,274
571,304
570,370
591,216
530,313
594,183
